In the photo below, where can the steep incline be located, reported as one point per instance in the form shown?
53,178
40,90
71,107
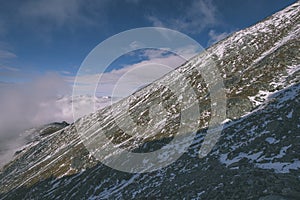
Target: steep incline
257,155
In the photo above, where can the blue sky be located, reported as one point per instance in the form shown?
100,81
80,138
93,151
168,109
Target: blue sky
38,36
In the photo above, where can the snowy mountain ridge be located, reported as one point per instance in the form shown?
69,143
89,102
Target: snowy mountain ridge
256,157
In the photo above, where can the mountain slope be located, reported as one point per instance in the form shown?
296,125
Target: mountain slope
256,157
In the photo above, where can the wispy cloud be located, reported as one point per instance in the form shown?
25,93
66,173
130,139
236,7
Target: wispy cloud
56,12
215,36
46,16
13,69
5,57
157,22
66,72
5,54
7,71
198,15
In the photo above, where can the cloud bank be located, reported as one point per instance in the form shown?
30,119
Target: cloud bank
23,106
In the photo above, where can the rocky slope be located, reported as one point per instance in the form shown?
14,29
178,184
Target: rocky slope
256,157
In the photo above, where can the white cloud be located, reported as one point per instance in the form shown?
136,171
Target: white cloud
23,106
5,69
135,45
156,22
189,51
13,69
199,15
152,53
36,103
21,103
65,72
5,54
156,65
215,37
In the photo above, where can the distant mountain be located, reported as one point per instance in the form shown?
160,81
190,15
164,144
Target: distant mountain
256,157
59,109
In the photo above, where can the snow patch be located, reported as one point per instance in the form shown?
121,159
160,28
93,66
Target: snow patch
271,140
280,167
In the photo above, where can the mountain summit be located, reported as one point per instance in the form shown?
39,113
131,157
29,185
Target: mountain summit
256,157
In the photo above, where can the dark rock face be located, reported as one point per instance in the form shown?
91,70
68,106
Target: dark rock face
36,134
257,156
52,128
